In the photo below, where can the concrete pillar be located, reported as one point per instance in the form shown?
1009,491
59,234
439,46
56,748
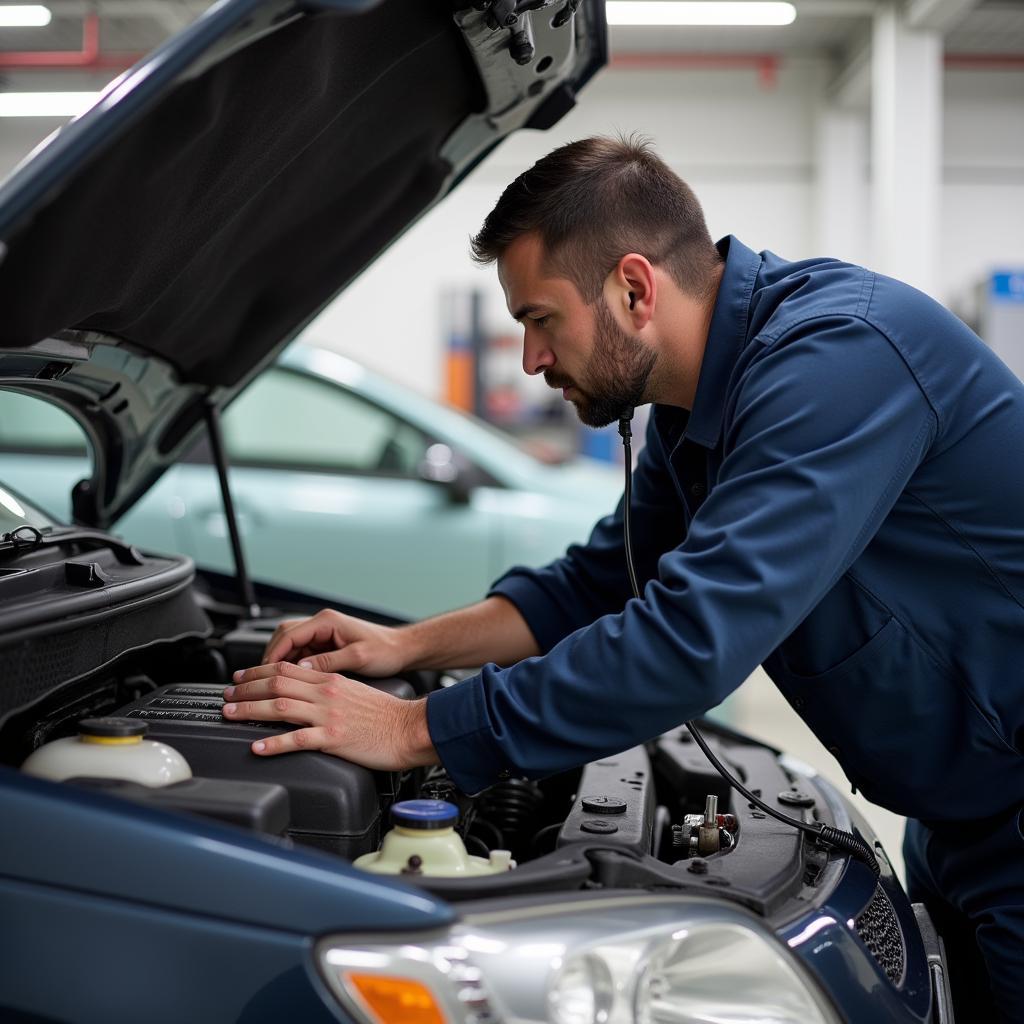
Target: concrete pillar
842,196
906,120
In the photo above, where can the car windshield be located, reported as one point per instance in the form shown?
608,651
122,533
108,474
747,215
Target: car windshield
16,512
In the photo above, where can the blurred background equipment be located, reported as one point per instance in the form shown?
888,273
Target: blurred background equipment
1002,317
484,375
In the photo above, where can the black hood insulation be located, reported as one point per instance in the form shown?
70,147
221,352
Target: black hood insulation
233,211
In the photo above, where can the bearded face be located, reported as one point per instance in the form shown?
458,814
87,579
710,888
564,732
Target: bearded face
615,376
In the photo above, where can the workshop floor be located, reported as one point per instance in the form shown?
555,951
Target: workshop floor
759,709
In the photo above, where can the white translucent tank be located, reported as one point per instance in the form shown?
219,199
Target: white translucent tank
424,842
109,748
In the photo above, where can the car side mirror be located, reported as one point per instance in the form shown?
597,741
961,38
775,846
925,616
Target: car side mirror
440,465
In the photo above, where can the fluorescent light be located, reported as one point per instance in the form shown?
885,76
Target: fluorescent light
24,15
45,104
692,12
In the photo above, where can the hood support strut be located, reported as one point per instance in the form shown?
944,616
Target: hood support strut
248,594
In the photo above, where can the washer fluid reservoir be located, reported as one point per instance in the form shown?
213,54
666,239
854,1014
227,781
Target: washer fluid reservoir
109,748
424,842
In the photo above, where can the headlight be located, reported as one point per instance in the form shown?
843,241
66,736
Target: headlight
628,960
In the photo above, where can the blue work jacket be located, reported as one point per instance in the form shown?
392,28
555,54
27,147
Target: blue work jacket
844,504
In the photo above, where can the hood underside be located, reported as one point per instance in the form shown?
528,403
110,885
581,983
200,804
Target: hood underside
224,190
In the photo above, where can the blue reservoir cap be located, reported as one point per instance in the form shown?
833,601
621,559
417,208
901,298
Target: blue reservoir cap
424,814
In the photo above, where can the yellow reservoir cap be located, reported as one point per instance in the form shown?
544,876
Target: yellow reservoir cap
112,731
395,1000
109,741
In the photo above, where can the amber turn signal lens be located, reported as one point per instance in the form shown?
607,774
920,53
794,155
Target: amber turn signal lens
396,1000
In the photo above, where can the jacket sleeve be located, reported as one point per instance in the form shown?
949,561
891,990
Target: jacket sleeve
590,580
822,433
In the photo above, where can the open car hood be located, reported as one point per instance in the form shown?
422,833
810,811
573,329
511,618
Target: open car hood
162,248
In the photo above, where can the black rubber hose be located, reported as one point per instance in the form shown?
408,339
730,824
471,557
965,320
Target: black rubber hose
627,501
835,837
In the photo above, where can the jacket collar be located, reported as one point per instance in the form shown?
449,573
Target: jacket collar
726,337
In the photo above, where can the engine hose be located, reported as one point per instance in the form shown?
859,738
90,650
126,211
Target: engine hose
845,841
837,838
496,839
513,805
851,844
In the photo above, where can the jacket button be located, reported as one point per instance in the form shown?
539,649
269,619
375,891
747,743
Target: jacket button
835,752
697,490
504,774
798,703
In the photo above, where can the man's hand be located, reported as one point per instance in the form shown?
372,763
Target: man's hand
341,716
490,630
333,642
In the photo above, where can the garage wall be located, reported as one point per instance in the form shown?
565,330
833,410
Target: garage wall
747,152
19,136
983,181
750,155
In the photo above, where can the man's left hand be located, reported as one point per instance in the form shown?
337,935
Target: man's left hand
339,716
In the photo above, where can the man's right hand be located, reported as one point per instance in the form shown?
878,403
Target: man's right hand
333,642
491,630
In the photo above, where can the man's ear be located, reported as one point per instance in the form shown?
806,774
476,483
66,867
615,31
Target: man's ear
632,289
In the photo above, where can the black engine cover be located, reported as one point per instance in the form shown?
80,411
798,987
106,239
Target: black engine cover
335,805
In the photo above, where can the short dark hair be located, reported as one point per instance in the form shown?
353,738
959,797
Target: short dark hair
595,200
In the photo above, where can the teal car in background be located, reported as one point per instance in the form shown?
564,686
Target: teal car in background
343,482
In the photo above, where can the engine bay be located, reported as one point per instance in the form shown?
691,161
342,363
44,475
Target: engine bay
656,815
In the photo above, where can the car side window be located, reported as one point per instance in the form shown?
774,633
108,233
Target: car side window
289,420
30,425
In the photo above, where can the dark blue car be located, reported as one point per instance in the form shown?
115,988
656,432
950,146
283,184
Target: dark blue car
154,256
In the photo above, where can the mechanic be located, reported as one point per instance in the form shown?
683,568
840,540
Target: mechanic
827,488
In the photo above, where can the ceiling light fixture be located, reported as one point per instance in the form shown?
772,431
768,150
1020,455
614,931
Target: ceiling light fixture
692,12
45,104
24,15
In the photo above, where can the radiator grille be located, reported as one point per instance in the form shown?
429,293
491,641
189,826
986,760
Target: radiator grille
879,930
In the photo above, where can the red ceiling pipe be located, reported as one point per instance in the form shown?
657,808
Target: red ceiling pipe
765,64
985,61
88,57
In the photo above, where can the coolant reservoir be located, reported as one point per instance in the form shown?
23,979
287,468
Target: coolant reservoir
109,748
424,842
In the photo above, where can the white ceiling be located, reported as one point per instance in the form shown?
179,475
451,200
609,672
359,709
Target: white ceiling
990,29
831,28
